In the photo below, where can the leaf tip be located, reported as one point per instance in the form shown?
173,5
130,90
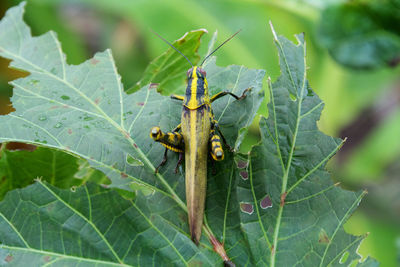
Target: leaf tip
273,31
269,81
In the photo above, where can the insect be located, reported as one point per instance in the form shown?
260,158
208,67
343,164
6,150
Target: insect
194,137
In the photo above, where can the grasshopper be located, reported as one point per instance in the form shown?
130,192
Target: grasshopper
195,136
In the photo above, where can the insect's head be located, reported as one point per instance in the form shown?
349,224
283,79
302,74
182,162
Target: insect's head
155,133
200,73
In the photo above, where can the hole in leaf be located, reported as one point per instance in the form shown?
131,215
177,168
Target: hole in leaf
247,208
241,164
344,257
292,96
43,118
266,202
244,175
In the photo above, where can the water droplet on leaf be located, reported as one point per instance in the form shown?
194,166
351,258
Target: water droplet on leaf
58,125
132,161
43,117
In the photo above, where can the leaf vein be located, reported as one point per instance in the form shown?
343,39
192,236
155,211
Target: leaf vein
85,219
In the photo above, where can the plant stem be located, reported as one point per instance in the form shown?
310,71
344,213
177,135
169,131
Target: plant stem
2,148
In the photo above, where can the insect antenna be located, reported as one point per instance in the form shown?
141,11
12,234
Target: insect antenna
176,49
227,40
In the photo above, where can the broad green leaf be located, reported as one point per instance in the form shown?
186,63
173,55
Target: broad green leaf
168,69
280,206
19,168
362,35
83,110
291,212
43,225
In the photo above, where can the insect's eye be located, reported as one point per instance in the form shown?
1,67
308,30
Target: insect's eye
202,72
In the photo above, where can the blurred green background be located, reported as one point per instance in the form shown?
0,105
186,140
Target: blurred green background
353,51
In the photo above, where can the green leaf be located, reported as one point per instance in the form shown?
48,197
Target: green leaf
19,168
362,35
279,205
83,110
43,225
296,212
167,69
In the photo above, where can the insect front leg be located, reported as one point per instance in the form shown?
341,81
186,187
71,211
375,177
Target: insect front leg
170,140
224,93
178,97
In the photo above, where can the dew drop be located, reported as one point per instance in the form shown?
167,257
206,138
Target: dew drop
132,161
42,118
87,118
33,82
58,125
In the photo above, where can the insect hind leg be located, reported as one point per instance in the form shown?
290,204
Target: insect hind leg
216,128
216,151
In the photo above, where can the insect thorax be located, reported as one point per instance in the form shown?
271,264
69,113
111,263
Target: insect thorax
197,89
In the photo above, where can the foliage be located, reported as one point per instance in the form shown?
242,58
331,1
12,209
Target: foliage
276,206
364,35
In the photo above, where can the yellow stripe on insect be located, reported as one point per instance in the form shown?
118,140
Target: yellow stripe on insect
193,87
